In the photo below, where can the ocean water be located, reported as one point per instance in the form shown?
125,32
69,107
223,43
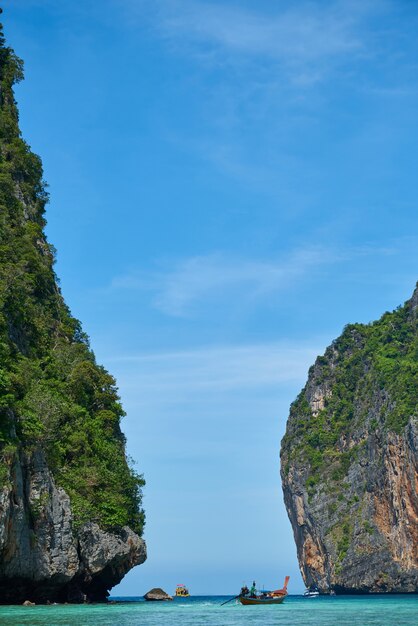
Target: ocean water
206,611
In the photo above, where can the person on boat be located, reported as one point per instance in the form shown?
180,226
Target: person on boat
253,590
244,591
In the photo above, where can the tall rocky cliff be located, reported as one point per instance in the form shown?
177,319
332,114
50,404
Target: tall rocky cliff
349,460
70,505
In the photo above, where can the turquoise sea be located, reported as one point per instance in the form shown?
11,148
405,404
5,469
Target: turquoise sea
206,611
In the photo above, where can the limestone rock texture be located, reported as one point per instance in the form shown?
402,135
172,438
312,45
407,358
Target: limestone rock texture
349,462
43,557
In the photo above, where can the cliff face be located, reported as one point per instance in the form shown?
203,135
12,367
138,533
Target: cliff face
43,558
349,462
70,505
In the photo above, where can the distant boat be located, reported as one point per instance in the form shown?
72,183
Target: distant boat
182,591
265,597
312,592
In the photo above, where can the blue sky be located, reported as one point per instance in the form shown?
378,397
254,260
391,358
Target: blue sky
231,183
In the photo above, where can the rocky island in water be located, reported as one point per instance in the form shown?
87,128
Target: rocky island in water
70,506
349,461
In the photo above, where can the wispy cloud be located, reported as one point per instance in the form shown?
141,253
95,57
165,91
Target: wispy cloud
305,38
194,280
180,288
296,34
257,64
161,376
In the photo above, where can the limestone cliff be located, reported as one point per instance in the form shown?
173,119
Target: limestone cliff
349,460
42,557
70,505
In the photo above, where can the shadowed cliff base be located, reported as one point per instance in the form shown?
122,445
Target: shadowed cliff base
70,504
349,462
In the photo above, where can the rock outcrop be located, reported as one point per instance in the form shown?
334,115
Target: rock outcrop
349,461
157,595
43,557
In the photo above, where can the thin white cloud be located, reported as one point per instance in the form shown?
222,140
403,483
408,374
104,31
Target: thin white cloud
306,38
197,279
298,33
266,58
187,284
162,376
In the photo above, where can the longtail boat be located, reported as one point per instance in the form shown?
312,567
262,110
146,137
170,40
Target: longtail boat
266,597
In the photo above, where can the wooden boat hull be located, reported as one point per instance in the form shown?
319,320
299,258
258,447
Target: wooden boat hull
249,601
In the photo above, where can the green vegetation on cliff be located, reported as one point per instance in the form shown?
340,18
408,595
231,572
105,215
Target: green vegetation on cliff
53,395
369,381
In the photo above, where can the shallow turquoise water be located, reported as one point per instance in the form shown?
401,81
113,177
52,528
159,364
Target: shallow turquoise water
206,611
